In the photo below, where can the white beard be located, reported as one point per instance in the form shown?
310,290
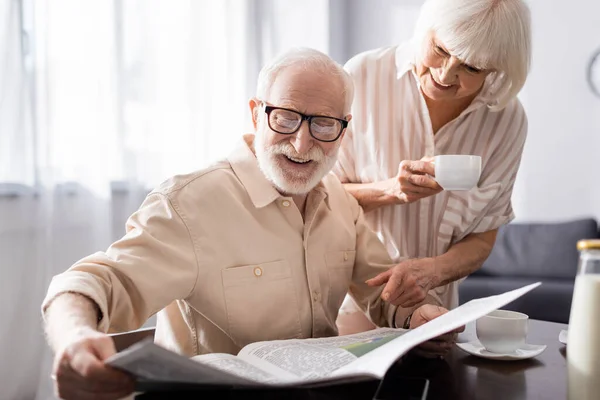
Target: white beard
292,182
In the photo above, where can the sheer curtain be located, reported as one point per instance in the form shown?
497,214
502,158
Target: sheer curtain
99,102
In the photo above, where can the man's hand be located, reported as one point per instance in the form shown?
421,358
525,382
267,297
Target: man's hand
408,282
437,347
79,371
414,181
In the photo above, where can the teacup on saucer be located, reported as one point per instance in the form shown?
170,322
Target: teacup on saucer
502,331
524,352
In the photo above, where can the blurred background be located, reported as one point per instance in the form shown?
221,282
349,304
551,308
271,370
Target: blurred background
100,100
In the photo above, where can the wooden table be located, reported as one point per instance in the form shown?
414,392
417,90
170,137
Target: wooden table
458,377
465,377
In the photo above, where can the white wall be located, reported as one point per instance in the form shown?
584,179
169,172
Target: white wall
559,176
560,173
376,23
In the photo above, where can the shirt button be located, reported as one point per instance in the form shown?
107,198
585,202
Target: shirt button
258,271
345,256
285,203
315,296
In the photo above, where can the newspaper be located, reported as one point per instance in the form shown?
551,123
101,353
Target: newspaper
301,361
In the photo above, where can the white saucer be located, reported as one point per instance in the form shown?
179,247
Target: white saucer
475,348
562,337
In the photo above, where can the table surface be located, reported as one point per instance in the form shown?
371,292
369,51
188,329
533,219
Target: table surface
459,376
463,376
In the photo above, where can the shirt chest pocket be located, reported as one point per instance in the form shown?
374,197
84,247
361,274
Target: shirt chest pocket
340,266
261,302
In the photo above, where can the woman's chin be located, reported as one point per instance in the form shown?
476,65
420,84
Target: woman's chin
435,94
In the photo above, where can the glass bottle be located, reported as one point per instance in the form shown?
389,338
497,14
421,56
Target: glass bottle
583,348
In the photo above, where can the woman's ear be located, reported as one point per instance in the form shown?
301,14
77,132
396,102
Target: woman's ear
254,104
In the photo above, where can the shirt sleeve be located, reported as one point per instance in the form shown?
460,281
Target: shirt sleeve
151,266
503,166
372,259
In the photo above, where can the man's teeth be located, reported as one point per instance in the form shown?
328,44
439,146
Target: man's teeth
298,160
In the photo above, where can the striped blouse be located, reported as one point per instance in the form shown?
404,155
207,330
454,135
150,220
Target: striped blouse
391,123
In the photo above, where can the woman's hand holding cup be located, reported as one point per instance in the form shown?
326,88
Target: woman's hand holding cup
415,181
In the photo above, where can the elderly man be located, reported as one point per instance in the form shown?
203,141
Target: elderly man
261,246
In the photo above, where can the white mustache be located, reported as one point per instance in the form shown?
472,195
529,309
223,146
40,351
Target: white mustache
314,154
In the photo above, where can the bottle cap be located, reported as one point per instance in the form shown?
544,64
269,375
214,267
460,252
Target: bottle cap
588,244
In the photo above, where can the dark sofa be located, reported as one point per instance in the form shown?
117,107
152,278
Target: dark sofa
526,253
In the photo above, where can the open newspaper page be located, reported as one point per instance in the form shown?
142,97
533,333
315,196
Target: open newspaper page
302,361
272,363
151,363
237,366
306,359
377,362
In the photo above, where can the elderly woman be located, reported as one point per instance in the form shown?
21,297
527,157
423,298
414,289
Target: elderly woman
451,90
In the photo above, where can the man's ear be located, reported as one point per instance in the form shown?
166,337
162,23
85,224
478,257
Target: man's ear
254,104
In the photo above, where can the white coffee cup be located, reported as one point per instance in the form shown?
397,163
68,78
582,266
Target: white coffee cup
502,331
457,171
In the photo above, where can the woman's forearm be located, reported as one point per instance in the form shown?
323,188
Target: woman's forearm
465,257
372,195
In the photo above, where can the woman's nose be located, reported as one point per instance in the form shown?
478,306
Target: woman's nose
449,71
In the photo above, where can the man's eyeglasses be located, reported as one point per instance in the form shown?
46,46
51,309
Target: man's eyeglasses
287,122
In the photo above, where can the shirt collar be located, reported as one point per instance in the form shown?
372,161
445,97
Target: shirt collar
405,59
321,189
260,189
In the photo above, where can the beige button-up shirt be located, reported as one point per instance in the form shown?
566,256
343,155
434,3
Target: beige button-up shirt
231,261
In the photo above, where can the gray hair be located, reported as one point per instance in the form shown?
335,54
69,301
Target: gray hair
487,34
309,59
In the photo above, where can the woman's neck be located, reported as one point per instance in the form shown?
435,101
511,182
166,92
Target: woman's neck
442,112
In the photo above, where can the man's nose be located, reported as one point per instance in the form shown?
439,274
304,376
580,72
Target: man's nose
302,141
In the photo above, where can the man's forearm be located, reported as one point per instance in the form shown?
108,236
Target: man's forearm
68,313
371,195
465,257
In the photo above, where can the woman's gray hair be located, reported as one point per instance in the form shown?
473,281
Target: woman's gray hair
486,34
309,59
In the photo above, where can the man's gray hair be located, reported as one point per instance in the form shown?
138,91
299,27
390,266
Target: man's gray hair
310,59
486,34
